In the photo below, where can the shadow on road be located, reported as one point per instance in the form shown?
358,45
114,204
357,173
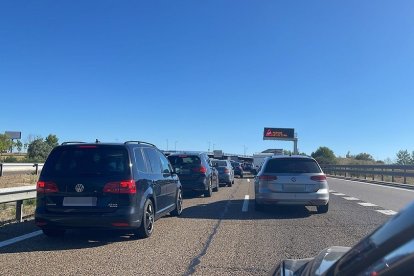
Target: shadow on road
73,239
232,210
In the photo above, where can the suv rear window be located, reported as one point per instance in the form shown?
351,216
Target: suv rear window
292,165
86,161
184,160
221,163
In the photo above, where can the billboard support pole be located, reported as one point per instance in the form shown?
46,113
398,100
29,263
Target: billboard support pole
295,146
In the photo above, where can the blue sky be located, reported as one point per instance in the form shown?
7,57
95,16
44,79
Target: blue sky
192,72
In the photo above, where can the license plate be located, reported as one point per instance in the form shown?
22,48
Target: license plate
79,201
185,171
294,188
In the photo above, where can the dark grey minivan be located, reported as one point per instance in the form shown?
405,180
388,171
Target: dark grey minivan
106,185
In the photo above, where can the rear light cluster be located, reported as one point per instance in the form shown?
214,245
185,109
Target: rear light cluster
200,169
268,177
45,187
319,178
226,171
122,187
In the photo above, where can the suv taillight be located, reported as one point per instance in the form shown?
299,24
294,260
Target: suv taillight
267,177
46,187
121,187
319,178
200,169
226,171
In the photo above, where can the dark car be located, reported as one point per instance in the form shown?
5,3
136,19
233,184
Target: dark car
225,171
101,185
389,250
237,168
196,172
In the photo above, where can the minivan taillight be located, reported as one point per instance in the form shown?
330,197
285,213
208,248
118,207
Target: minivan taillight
319,178
268,177
121,187
200,169
46,187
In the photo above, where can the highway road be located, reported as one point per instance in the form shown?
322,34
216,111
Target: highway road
221,235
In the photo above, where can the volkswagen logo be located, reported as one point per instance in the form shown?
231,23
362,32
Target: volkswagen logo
293,179
79,188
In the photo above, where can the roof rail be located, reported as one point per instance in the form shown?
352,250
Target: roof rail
72,142
139,142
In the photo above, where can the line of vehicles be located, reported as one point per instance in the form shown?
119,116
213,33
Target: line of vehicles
129,185
121,185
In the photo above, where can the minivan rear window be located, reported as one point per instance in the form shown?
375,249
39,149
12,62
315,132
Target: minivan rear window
221,163
291,165
87,161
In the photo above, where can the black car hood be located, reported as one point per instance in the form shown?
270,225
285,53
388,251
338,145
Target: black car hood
312,266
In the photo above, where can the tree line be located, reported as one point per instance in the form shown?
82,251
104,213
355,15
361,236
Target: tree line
325,155
37,150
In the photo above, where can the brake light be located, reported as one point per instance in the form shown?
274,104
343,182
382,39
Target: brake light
319,178
86,147
268,177
122,187
46,187
200,169
226,171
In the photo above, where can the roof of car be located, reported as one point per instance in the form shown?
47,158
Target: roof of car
290,156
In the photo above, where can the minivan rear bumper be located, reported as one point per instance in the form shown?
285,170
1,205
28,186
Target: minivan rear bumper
123,218
321,197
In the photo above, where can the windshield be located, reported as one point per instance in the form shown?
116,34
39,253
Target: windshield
289,165
75,161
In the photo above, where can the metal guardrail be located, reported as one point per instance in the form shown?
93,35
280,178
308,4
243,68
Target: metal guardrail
18,194
371,171
20,167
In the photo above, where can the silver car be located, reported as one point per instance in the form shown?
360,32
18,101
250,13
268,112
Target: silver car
291,180
225,170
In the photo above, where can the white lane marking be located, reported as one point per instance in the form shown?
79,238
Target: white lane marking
245,203
377,185
350,198
387,212
248,180
339,194
21,238
367,204
331,191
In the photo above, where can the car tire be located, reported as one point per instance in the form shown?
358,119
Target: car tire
209,191
322,209
216,189
178,204
241,176
146,228
229,184
258,206
54,232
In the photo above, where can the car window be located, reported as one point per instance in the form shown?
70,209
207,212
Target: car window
140,160
222,163
291,165
85,161
154,160
165,165
184,160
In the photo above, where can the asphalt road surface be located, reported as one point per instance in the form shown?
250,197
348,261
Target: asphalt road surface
221,235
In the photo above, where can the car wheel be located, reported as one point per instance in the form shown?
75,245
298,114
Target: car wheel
216,189
258,206
53,232
323,209
229,184
209,191
148,219
241,176
178,204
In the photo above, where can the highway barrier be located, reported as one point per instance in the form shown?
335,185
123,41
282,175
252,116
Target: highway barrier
20,167
371,171
17,194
